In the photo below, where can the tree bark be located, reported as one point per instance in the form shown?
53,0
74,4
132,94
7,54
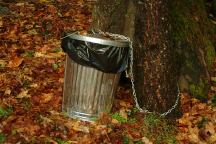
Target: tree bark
155,66
110,15
192,34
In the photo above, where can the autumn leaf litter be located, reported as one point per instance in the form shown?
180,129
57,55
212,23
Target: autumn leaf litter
31,80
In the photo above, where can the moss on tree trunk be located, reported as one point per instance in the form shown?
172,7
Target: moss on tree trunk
191,32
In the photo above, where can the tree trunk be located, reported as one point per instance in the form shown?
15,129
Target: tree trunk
192,33
155,66
160,52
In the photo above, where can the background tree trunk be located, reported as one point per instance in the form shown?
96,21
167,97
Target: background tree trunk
165,46
192,34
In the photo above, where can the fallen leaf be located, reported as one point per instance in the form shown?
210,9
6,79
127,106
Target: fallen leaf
123,113
7,91
15,62
78,127
194,138
145,140
20,4
46,97
213,88
213,138
23,94
210,127
213,79
45,120
1,22
125,104
45,1
34,85
2,63
61,80
32,32
39,54
115,121
104,118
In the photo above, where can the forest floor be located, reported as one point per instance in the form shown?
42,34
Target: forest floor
31,81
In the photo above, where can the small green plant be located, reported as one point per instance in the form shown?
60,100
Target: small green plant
26,84
168,128
14,132
2,66
159,129
132,120
138,142
2,138
158,139
213,100
56,65
119,118
60,141
29,54
125,140
94,119
5,112
55,50
166,138
133,112
170,139
152,120
202,122
199,90
26,103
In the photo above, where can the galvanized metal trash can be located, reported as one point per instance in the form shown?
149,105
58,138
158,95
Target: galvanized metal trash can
94,63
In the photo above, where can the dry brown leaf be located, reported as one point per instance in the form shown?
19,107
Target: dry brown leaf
48,139
28,128
61,80
115,121
32,32
182,136
79,127
39,54
7,91
1,22
34,85
194,138
15,62
213,88
104,118
213,79
46,120
45,1
2,63
145,140
213,138
23,94
210,127
125,104
45,98
123,113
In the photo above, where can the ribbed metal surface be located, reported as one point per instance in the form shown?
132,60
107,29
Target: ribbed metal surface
87,91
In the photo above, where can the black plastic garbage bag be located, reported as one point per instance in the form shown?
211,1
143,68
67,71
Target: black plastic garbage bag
107,55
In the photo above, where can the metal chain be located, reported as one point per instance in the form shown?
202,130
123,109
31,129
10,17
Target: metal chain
131,75
134,91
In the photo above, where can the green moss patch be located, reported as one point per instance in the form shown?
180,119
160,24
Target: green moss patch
199,90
